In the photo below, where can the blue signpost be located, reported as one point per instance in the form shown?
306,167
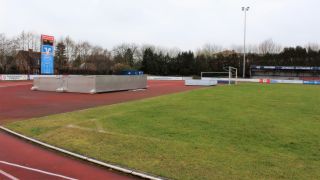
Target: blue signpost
47,55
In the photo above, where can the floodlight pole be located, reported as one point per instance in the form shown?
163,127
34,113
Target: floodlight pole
245,9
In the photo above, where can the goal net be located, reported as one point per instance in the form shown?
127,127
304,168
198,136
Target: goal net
229,76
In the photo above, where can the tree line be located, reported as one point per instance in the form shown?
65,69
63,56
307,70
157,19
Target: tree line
82,57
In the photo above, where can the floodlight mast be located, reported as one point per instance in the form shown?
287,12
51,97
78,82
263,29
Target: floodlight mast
244,9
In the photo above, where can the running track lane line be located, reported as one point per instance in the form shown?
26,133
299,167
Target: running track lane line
8,175
36,170
114,167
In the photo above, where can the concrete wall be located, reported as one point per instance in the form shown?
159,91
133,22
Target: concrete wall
118,83
47,83
80,84
89,84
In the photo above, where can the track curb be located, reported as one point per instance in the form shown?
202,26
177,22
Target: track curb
114,167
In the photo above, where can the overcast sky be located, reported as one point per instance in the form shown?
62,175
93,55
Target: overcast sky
186,24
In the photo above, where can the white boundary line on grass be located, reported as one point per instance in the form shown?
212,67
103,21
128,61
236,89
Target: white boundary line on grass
37,170
114,167
8,175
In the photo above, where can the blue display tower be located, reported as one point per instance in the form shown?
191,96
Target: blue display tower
47,54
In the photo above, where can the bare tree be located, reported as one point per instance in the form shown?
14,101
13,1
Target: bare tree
35,41
7,49
3,42
86,49
101,59
81,53
22,41
237,48
252,48
122,48
209,50
126,53
28,40
70,48
173,52
313,46
269,47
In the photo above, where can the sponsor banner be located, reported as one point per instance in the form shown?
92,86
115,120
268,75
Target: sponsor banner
232,79
312,82
267,81
170,78
13,77
47,54
201,82
132,72
31,77
307,68
275,81
187,78
23,77
47,59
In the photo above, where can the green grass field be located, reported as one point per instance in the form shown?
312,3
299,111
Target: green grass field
249,131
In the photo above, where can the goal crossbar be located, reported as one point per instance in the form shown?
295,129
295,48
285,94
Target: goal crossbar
230,72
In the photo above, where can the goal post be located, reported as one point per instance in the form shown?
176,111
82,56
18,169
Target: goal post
230,75
233,71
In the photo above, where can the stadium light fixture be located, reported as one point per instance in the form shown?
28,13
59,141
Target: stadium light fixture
244,9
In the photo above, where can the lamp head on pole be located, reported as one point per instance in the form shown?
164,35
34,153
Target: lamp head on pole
245,8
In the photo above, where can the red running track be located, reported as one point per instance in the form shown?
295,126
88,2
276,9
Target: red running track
15,152
18,102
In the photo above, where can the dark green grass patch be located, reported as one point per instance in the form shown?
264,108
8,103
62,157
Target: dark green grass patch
249,131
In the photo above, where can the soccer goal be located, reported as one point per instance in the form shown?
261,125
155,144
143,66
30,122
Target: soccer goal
230,75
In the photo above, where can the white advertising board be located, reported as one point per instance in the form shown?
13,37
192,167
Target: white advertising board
13,77
201,82
287,81
170,78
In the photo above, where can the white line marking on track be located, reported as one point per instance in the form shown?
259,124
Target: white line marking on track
37,170
8,175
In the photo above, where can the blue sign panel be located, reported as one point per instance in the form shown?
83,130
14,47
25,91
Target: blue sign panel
47,59
131,72
312,82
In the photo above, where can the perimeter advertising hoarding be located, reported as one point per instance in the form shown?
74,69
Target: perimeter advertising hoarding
47,54
285,68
